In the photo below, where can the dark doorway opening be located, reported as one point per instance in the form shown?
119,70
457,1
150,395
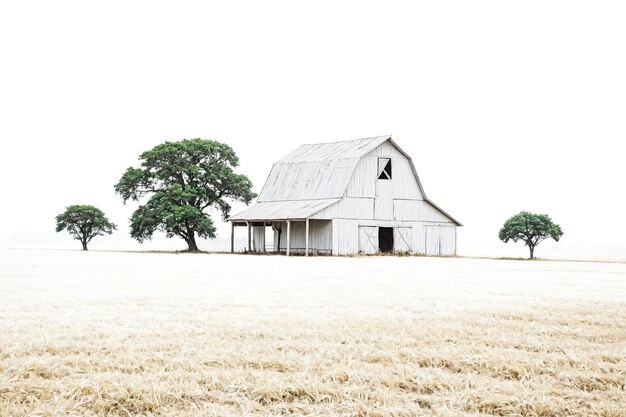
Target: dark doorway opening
385,239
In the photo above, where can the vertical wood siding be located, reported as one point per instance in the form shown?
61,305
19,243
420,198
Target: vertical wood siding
368,239
320,236
363,208
363,180
404,182
403,239
258,238
418,245
345,236
411,210
355,236
386,150
440,240
448,240
348,208
383,205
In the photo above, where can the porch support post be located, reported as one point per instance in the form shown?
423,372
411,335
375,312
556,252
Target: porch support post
306,238
249,236
288,236
232,236
264,237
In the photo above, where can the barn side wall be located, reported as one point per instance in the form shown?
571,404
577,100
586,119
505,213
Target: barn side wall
348,208
364,208
425,238
411,210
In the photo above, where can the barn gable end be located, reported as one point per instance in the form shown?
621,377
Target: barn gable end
405,182
406,201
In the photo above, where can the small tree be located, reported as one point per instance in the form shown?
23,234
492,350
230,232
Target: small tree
531,229
182,179
84,223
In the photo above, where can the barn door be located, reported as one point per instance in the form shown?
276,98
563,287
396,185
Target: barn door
402,239
385,239
433,238
368,239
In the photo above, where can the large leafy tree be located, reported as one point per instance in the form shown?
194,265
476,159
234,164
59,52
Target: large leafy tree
84,223
531,229
181,180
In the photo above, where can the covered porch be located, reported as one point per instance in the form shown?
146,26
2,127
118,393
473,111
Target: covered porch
290,226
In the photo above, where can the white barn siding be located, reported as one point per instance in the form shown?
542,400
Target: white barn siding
383,204
363,181
436,239
410,210
348,208
320,236
448,240
386,150
362,184
368,239
345,236
440,240
404,183
403,177
403,239
258,238
418,245
363,208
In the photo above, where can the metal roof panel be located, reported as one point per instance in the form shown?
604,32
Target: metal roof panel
283,210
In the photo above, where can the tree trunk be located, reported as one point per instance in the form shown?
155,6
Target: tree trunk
532,252
84,244
191,243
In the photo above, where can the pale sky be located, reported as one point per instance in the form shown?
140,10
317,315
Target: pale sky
504,106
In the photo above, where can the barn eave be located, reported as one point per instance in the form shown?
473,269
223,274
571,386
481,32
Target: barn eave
283,210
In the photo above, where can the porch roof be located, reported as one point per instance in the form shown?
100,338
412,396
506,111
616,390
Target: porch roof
283,210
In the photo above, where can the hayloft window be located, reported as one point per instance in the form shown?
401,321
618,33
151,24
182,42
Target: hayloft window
384,168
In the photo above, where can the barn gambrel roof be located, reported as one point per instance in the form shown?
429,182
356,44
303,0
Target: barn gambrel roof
316,171
313,177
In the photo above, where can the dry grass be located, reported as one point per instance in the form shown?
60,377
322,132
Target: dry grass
101,334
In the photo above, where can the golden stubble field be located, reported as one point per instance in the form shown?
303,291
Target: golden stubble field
138,334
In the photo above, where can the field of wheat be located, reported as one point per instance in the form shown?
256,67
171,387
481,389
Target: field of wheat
138,334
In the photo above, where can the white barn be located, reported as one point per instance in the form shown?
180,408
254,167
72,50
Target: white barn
359,196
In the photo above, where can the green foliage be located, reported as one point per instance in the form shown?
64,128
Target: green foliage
181,180
531,229
84,222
